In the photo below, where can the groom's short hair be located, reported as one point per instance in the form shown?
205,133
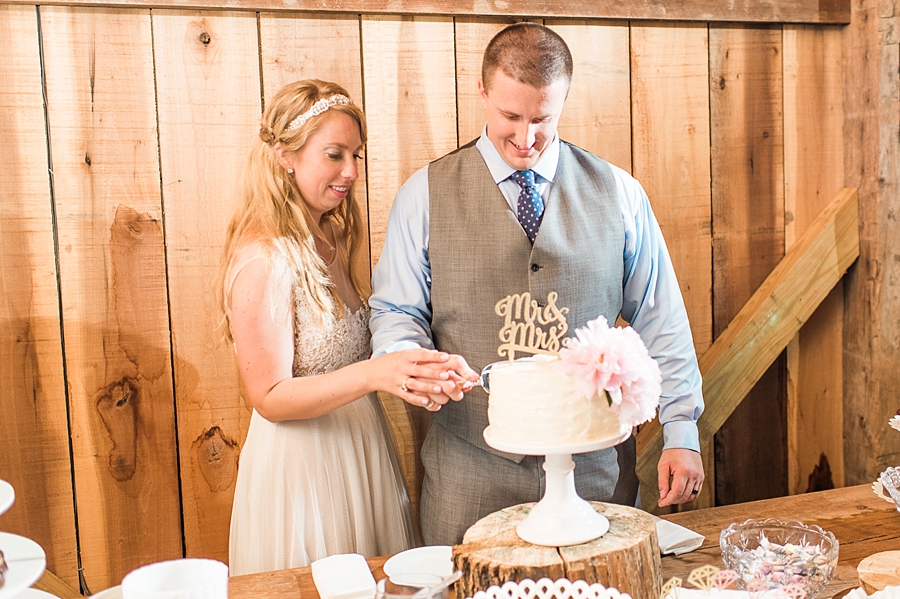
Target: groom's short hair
529,53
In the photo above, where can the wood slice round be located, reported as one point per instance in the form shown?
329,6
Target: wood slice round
879,570
626,557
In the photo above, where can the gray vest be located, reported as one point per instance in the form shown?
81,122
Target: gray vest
479,254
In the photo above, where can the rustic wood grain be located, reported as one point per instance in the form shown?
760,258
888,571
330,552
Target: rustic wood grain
208,96
872,162
34,431
775,312
626,557
291,49
879,570
670,120
670,140
790,11
56,586
284,584
99,77
768,321
472,36
813,147
410,84
748,221
597,116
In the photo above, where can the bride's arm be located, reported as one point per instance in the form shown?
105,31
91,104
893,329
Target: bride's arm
262,327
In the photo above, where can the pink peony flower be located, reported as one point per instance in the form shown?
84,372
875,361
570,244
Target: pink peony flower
613,363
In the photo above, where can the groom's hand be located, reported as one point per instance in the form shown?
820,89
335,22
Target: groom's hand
447,385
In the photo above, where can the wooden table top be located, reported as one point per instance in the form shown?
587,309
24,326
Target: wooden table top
862,523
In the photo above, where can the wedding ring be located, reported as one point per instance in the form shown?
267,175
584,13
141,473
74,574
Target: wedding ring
430,404
403,387
695,492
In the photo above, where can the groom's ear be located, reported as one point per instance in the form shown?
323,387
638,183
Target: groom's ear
482,92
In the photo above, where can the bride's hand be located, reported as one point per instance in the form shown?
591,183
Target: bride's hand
419,375
445,383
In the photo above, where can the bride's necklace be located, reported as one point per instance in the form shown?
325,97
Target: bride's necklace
325,250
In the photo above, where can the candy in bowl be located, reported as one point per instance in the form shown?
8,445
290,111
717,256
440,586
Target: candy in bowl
768,554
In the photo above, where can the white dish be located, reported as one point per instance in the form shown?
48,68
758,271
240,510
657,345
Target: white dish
113,593
26,561
422,566
35,594
7,496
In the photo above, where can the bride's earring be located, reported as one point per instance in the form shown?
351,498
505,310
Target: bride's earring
290,171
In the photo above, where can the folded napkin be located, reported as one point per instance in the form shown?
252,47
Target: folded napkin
889,592
345,576
676,539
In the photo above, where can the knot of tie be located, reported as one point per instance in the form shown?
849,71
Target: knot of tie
530,205
523,178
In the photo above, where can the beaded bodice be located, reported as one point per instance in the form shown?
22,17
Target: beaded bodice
343,341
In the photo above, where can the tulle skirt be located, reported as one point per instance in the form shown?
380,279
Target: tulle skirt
307,489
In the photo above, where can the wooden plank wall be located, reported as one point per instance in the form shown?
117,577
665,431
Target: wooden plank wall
871,96
122,402
748,215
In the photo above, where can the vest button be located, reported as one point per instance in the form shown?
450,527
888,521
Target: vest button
535,267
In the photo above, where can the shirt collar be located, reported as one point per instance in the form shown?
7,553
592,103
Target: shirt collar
500,171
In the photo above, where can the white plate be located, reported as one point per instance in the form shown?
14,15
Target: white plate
113,593
420,566
35,594
7,496
26,561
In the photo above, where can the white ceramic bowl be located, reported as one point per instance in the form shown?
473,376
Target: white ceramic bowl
178,579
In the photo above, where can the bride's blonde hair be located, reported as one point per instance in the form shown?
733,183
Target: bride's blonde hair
272,211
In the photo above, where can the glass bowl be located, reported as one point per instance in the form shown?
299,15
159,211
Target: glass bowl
770,553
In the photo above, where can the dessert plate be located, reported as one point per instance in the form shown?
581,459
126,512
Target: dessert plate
26,561
35,594
422,566
7,496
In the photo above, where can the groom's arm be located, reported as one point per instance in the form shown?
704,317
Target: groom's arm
654,307
401,289
401,281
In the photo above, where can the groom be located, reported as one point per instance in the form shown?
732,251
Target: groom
519,210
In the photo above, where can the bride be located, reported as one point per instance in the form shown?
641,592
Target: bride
317,473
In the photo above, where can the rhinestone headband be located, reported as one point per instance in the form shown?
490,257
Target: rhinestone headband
317,109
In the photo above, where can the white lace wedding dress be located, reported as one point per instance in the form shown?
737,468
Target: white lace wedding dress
307,489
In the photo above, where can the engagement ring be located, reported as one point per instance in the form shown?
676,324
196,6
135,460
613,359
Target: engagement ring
403,387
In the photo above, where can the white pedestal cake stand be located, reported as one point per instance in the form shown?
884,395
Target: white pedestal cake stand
561,518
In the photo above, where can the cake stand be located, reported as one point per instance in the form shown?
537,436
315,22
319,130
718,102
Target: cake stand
25,558
561,518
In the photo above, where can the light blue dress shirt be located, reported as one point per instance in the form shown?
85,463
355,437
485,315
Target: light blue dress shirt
401,299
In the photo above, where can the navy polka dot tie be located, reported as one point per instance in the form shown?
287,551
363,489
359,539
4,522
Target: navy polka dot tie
530,207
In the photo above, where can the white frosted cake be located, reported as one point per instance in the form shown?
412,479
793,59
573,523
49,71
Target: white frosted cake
532,402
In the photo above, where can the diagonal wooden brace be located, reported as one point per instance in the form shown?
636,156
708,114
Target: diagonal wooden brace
767,322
